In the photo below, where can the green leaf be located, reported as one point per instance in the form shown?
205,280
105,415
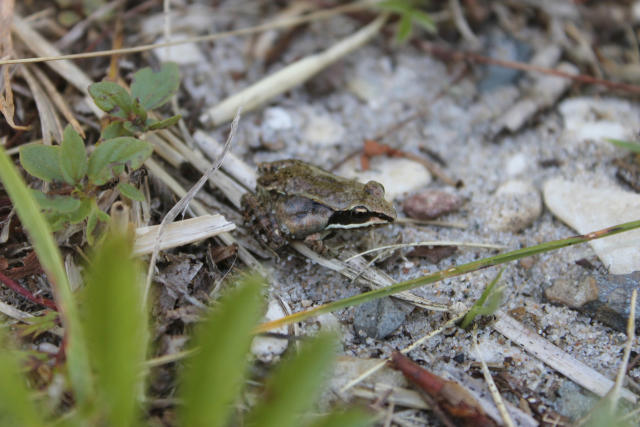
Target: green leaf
114,130
350,418
154,89
215,375
132,127
72,156
41,161
95,215
139,111
116,329
403,30
397,6
627,145
16,406
56,203
51,260
488,302
424,20
130,192
163,124
110,154
81,212
111,98
295,385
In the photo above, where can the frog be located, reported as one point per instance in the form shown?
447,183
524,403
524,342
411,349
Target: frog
295,200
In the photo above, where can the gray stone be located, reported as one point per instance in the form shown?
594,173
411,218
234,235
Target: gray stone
379,318
430,204
572,293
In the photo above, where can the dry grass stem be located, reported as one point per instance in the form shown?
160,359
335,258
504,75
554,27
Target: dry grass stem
427,243
495,394
180,233
289,77
55,55
631,334
553,356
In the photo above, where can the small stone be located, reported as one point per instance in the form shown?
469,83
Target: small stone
516,204
379,318
185,54
277,118
397,175
595,119
268,349
572,293
517,164
431,204
614,295
322,130
587,207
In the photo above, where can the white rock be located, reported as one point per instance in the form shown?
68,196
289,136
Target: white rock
635,11
277,118
268,349
596,119
516,204
588,209
397,175
182,54
517,164
322,130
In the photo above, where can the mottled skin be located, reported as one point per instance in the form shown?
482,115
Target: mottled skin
296,200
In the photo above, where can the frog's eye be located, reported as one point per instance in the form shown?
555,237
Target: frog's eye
374,189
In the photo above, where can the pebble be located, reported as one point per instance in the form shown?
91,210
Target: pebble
614,295
277,118
267,349
431,204
595,119
515,205
572,293
379,318
184,54
322,130
397,175
587,208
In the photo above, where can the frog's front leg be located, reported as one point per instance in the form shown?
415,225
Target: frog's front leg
261,220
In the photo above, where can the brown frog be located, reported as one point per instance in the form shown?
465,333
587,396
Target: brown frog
295,200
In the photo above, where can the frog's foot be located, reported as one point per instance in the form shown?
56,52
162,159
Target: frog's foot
262,223
316,242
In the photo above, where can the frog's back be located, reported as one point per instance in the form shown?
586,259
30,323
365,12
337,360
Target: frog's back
297,178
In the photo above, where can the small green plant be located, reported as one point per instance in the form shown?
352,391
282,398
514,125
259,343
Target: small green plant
119,148
487,304
634,147
410,13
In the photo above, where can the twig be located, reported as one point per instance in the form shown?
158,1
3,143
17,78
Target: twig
495,394
9,283
631,332
323,14
448,54
428,243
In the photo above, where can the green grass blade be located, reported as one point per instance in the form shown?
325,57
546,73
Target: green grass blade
215,375
350,418
627,145
116,329
295,385
49,256
450,272
16,406
479,308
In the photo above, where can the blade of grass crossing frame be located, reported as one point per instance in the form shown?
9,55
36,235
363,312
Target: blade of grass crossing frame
16,406
214,376
51,260
295,386
448,273
116,329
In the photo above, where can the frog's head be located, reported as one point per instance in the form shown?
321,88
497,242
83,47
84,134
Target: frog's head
369,208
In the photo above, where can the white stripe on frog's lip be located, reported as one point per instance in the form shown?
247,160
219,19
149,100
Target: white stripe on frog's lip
369,222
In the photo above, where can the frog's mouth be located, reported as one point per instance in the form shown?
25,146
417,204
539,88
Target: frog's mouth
356,219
